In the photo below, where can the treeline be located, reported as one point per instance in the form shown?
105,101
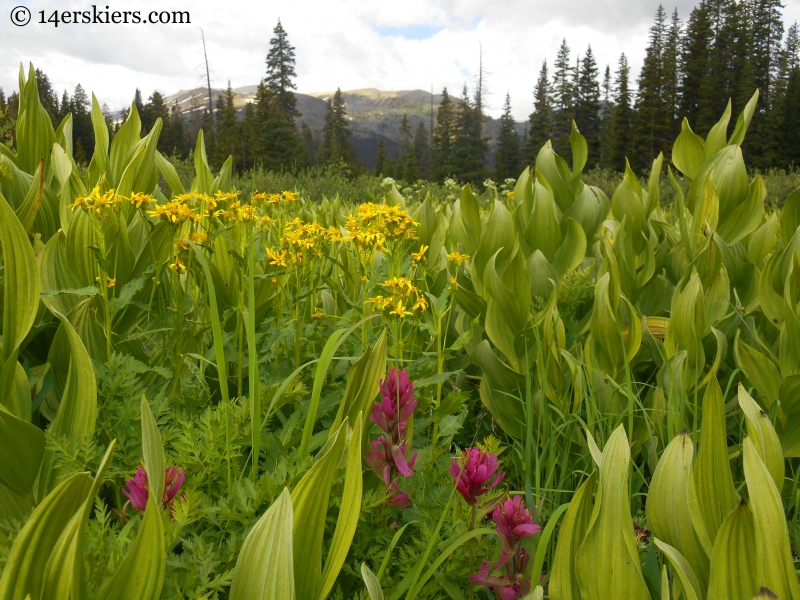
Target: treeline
725,49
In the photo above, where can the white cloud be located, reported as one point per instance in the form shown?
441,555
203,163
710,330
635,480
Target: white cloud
337,43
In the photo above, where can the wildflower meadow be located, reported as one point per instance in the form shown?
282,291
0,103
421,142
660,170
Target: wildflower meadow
527,390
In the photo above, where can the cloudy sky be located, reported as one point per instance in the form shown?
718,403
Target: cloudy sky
350,44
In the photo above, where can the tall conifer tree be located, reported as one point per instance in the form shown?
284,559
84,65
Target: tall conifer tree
281,71
443,134
507,156
541,120
336,146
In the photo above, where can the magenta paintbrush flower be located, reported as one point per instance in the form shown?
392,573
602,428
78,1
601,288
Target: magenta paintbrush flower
389,458
513,522
397,404
505,576
472,472
138,488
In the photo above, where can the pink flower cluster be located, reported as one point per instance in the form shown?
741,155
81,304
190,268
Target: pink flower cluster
506,576
472,471
139,490
389,458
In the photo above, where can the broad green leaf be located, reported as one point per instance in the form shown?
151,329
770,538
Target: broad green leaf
123,144
668,506
310,504
203,178
717,137
572,250
20,295
777,570
743,122
500,390
34,128
348,513
716,492
736,560
77,411
470,215
563,578
580,151
607,563
141,574
22,448
26,213
65,578
688,151
747,216
99,162
371,583
265,567
763,437
653,192
169,174
759,369
24,569
543,231
692,588
497,239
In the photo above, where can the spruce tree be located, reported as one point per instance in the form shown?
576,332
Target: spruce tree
153,110
469,145
281,71
273,131
563,99
587,105
653,124
82,130
443,134
336,146
47,95
606,119
65,107
228,128
172,140
137,100
541,120
422,151
695,67
621,133
507,156
308,145
671,73
380,159
407,160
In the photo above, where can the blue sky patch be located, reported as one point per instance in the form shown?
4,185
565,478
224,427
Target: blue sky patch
409,32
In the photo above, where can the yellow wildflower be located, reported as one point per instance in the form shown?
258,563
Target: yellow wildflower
199,237
453,281
457,257
111,283
289,197
400,310
178,266
265,221
418,256
277,258
318,315
139,199
182,244
421,304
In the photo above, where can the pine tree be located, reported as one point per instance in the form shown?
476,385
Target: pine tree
65,108
273,132
47,95
308,145
587,105
653,124
507,157
422,151
380,159
469,145
336,146
563,99
671,73
172,140
786,110
281,71
621,134
606,119
443,134
695,67
3,103
154,109
137,100
82,130
407,160
541,119
228,128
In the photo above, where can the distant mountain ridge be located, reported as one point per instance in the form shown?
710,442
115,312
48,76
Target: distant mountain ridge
374,114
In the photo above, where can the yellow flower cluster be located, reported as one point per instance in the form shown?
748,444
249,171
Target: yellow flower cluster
457,257
300,241
373,225
402,294
286,197
175,212
96,203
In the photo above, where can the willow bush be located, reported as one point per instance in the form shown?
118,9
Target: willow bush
212,390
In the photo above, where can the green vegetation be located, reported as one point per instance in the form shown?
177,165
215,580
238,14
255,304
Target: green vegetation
320,385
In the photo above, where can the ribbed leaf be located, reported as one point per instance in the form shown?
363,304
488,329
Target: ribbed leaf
563,578
77,411
692,589
348,513
736,560
607,563
777,571
716,493
22,448
763,437
371,583
668,506
265,568
24,570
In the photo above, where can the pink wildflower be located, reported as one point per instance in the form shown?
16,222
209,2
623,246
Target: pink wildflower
138,488
397,404
472,471
514,522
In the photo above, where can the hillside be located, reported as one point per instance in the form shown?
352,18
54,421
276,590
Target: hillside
374,114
